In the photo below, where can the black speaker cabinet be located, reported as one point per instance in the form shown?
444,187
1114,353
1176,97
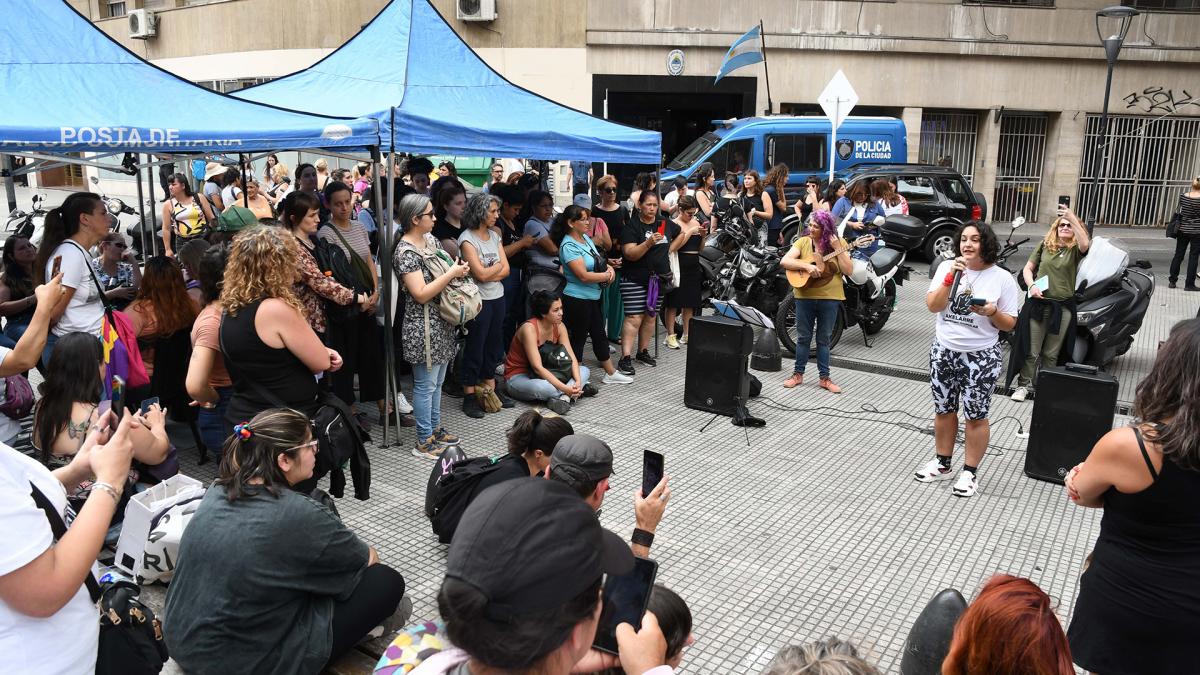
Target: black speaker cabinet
717,356
1073,408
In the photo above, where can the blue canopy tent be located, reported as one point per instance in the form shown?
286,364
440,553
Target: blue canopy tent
432,94
65,86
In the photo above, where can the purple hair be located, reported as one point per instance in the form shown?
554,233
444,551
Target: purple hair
827,240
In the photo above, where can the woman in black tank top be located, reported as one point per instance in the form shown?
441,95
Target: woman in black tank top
1138,609
271,352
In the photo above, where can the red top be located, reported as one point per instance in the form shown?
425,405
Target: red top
516,363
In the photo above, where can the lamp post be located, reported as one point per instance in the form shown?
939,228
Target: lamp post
1115,21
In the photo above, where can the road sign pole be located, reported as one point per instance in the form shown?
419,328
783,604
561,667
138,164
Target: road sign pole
833,127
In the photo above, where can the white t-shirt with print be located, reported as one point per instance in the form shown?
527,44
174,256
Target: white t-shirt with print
959,328
85,312
65,642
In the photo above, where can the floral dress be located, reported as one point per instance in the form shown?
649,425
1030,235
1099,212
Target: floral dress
314,288
442,338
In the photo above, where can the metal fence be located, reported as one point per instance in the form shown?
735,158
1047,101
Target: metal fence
1019,166
1151,160
948,139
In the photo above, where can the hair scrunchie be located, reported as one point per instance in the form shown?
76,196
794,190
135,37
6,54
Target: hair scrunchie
243,431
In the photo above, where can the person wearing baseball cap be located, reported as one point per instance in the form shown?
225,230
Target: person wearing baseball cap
584,464
522,588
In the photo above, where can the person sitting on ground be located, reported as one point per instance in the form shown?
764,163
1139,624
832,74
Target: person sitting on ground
43,599
117,269
267,579
69,401
162,307
675,622
189,258
499,611
17,300
830,656
28,349
1009,628
540,366
584,463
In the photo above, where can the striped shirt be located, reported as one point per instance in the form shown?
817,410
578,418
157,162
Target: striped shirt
356,236
1189,215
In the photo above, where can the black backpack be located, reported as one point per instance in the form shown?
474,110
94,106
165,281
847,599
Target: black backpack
457,489
333,261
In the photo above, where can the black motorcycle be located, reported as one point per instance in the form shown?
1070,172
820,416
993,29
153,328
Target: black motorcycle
1110,307
737,264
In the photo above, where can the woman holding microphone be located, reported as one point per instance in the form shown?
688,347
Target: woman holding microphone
974,300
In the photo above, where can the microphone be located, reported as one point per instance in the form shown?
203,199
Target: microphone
954,286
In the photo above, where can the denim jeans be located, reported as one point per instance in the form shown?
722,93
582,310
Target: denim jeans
427,398
211,422
824,314
536,390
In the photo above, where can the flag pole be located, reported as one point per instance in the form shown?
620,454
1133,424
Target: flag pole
762,37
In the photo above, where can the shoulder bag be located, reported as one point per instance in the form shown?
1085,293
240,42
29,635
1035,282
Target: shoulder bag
366,275
119,338
131,638
1173,226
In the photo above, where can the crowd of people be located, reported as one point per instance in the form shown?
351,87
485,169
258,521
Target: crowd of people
265,304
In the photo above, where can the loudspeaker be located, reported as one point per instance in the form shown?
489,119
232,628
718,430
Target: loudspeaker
1073,408
716,375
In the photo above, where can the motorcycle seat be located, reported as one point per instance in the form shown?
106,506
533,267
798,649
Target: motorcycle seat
885,260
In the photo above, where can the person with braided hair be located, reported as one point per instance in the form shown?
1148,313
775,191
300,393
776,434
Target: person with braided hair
269,580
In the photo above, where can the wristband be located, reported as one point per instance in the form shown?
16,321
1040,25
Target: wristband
642,537
949,280
105,487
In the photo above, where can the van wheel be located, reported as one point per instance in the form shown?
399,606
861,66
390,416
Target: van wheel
939,241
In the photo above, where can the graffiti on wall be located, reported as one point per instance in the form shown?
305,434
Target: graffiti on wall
1159,100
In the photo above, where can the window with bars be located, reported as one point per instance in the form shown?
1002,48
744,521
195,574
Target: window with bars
948,139
1011,3
116,8
1164,5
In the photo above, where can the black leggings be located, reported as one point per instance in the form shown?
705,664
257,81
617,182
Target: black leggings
374,599
585,318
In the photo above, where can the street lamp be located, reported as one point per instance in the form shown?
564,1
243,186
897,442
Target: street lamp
1115,22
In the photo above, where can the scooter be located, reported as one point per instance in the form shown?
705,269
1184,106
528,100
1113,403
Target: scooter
27,223
871,286
1112,298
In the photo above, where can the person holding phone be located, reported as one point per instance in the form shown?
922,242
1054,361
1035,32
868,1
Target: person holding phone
495,600
42,593
974,300
117,269
685,298
17,299
70,231
1046,325
810,201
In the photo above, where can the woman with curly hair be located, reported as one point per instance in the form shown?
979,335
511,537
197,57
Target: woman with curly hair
266,343
1138,608
479,245
162,306
1010,628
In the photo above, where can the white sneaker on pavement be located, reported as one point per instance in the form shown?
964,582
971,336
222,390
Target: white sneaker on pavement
617,378
932,471
966,484
402,405
671,342
1020,394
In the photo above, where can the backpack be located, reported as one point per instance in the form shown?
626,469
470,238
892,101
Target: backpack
450,456
460,301
457,489
332,260
341,441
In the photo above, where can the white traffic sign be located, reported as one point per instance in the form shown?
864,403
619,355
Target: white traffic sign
837,100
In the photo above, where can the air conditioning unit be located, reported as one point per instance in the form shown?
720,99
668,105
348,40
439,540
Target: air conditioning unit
476,10
143,24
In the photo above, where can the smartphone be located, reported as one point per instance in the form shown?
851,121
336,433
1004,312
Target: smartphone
57,266
652,471
625,598
979,302
118,396
147,403
1064,200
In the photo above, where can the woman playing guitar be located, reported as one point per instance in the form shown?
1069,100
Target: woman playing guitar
814,267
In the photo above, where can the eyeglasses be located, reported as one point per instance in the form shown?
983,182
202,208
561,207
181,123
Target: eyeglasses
608,190
427,213
314,444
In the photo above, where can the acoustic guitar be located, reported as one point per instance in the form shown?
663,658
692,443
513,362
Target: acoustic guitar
799,279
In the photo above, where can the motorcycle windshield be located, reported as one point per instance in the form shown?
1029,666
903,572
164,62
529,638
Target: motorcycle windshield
1103,262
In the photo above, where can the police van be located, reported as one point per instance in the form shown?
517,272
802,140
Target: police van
802,143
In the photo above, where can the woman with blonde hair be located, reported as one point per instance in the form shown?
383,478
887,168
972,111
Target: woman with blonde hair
266,343
1046,325
323,175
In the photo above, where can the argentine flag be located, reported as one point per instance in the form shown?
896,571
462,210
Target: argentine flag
745,51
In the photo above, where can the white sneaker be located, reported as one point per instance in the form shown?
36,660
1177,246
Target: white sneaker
932,471
671,342
1020,394
402,405
683,340
966,484
617,378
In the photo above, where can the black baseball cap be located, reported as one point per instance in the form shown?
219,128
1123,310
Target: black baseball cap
579,458
531,545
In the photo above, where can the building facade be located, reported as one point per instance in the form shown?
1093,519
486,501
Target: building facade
1008,91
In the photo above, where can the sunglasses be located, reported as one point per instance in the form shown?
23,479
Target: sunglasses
118,245
427,213
608,190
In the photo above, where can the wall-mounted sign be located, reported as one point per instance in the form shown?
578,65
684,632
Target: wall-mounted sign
675,62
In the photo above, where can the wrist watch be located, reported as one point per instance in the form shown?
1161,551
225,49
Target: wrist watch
642,537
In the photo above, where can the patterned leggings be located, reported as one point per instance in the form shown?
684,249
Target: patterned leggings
969,376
